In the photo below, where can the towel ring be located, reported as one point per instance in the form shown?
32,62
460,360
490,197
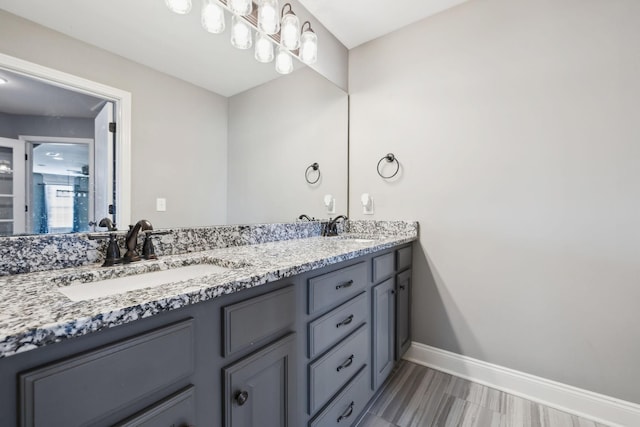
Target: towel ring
312,167
389,158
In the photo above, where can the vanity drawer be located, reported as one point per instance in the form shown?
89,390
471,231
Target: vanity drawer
333,370
176,410
347,405
383,266
332,288
248,322
403,258
86,388
338,323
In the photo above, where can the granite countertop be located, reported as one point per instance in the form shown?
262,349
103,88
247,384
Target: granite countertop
33,313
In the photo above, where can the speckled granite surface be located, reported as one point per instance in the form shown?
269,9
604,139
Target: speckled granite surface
25,254
33,313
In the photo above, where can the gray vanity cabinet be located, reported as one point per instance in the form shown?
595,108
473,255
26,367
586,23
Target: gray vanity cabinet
384,323
260,388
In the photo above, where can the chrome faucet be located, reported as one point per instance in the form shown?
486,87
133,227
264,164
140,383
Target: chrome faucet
331,228
132,240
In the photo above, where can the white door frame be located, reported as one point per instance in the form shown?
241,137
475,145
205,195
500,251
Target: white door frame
122,115
18,181
28,141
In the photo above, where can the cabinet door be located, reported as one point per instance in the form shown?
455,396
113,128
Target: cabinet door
259,389
383,331
403,313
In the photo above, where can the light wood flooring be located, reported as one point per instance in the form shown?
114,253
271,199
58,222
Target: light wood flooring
416,396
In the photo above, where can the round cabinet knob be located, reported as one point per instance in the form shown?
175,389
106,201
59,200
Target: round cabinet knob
242,397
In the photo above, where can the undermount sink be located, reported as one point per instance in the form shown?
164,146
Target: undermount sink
103,288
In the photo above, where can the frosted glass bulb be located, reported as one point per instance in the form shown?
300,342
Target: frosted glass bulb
240,7
308,47
264,48
179,6
269,17
284,61
212,17
240,33
290,31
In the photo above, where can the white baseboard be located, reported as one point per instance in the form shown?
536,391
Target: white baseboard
584,403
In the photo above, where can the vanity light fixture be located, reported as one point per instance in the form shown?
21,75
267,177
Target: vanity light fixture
240,33
284,61
240,7
289,29
308,44
268,18
212,16
275,28
264,48
180,7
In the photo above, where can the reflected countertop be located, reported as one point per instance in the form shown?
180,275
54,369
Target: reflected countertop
34,313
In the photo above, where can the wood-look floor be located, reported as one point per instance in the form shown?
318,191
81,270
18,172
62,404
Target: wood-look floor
416,396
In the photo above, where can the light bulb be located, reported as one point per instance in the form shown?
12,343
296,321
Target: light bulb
290,31
240,7
212,17
284,61
240,33
264,48
308,47
179,6
268,16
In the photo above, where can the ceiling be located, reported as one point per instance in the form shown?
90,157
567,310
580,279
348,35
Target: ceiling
355,22
28,96
147,32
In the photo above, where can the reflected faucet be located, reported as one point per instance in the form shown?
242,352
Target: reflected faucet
132,240
332,227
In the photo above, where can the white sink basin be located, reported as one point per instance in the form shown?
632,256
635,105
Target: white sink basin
103,288
351,239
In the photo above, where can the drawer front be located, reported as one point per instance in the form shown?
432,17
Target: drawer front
248,322
344,409
337,324
106,380
176,410
383,266
333,370
332,288
404,258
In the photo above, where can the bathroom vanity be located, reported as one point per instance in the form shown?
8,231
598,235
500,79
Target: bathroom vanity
297,332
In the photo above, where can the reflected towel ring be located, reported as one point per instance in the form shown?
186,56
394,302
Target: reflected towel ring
315,167
389,158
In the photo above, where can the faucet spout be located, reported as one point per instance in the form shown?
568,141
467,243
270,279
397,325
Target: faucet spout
332,227
132,240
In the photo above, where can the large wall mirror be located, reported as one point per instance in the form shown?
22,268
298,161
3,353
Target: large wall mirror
75,173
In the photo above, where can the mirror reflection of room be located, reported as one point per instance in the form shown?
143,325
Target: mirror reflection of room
56,158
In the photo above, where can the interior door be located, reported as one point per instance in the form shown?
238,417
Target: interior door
12,187
102,173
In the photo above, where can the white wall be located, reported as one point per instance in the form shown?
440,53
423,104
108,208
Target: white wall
276,131
13,125
517,126
178,132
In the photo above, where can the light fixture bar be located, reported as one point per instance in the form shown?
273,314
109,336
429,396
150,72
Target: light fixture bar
252,20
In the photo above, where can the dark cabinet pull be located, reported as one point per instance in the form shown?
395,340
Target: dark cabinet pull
242,397
347,413
393,292
345,321
402,287
346,363
345,284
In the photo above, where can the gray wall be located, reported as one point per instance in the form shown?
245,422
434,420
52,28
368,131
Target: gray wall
179,130
13,125
275,132
516,123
